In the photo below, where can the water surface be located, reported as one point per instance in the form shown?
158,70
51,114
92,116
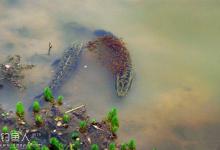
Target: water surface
174,45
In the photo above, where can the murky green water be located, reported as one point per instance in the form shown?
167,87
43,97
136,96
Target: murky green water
174,101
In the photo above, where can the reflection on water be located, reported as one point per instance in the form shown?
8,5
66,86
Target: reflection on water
173,103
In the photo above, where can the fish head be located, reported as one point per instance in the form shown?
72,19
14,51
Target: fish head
123,83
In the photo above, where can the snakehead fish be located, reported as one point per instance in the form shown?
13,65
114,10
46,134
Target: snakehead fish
113,53
66,65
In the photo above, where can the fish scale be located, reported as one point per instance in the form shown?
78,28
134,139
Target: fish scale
67,64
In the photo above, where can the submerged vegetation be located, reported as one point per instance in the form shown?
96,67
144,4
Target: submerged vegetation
4,129
82,126
131,145
36,106
38,120
20,109
33,145
60,100
66,118
44,147
94,147
13,147
112,146
55,144
123,146
48,95
112,118
75,135
76,144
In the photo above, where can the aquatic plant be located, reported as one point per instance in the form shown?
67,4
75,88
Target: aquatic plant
55,144
66,118
94,147
20,109
82,126
75,135
44,147
76,145
5,129
33,145
112,146
13,147
123,146
93,121
13,131
48,95
111,114
112,118
115,124
132,145
114,129
60,100
36,106
38,119
154,148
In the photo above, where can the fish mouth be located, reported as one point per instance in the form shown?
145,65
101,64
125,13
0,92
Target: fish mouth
122,93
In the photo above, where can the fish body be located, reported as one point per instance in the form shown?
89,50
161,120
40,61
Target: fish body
117,59
65,67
